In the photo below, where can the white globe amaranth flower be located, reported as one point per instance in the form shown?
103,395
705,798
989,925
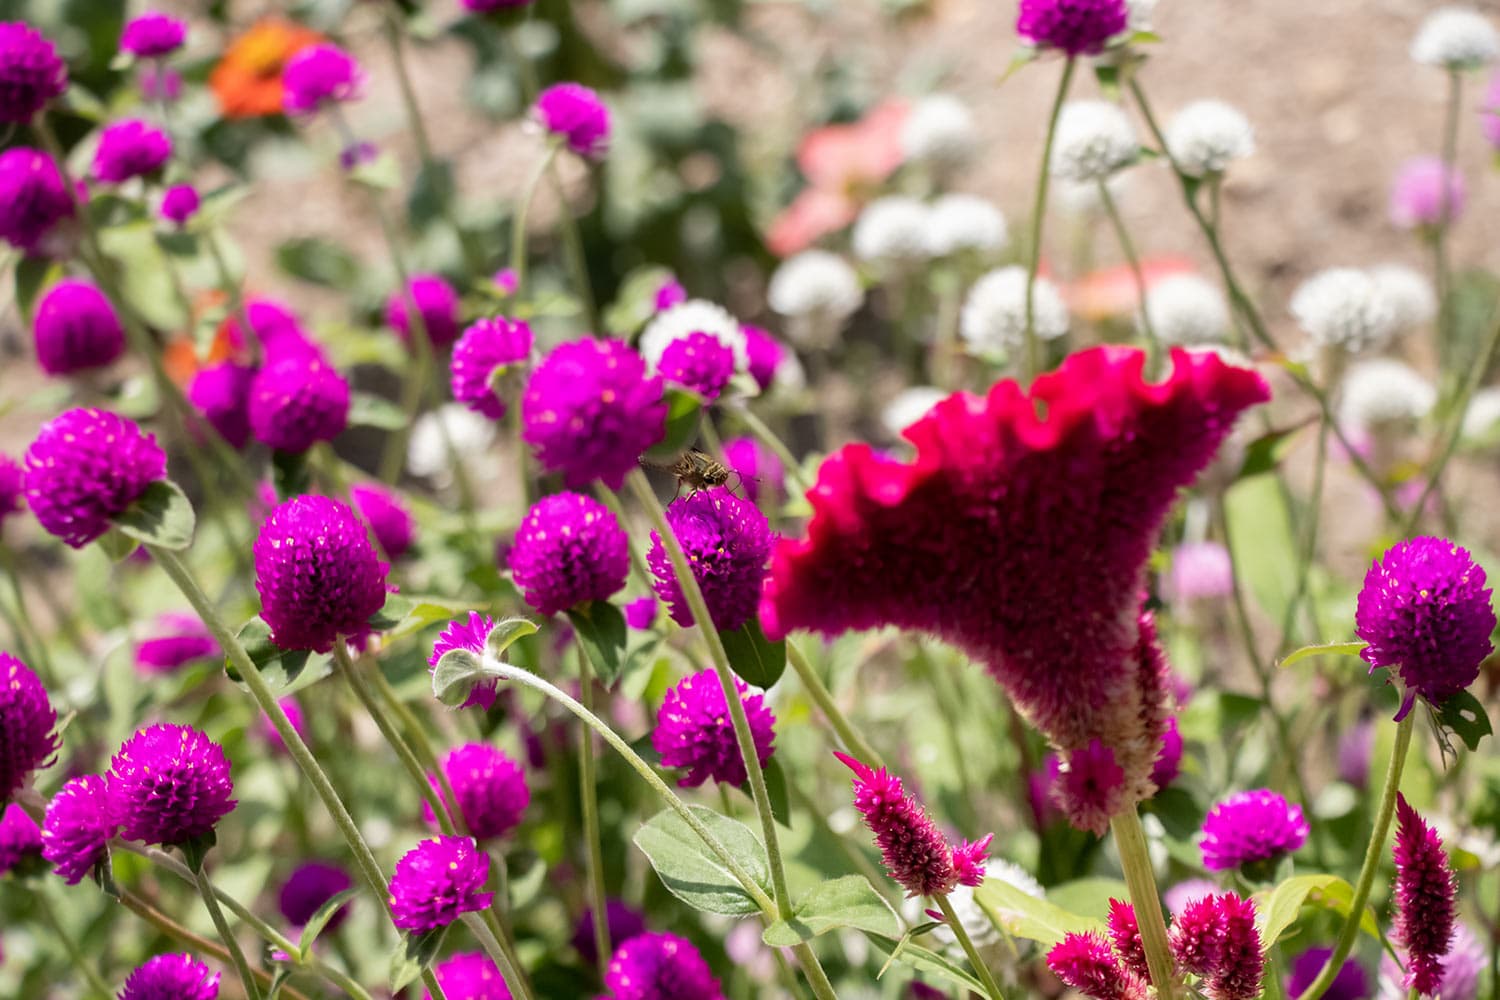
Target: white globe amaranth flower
909,406
1083,199
1482,417
468,433
1140,13
940,130
815,283
1383,391
1206,136
1343,307
893,228
994,316
1094,140
693,316
981,929
1408,292
1456,38
1187,311
959,222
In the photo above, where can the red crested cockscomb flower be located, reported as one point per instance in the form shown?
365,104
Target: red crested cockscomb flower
1214,937
916,853
1030,535
1086,963
1424,894
1125,935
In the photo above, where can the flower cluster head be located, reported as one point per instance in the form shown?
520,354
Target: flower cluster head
993,321
175,639
78,827
85,467
960,223
689,317
1425,613
660,967
577,116
310,886
384,510
1094,140
1086,963
31,73
468,633
1467,961
128,149
1344,307
33,197
625,922
437,305
760,471
1380,392
488,349
169,785
1350,983
569,550
1031,535
75,329
1427,193
1425,892
439,881
916,853
694,730
727,541
1206,136
179,203
1187,311
1077,27
297,400
12,488
318,576
180,977
1255,828
153,35
892,229
1456,38
1215,937
20,840
1200,571
699,362
767,361
671,293
320,75
940,131
590,410
490,788
220,393
471,974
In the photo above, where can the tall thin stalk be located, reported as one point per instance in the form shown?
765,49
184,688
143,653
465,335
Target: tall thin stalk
216,914
1127,247
1135,860
589,796
1033,357
981,968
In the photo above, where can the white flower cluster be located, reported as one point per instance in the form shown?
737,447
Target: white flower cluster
960,222
1456,38
1363,309
1187,311
892,229
1094,140
939,131
1383,391
452,424
1206,136
994,316
1409,293
693,316
815,284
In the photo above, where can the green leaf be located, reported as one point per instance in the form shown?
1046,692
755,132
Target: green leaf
1108,75
1023,916
850,901
776,791
162,516
392,613
756,659
320,919
280,667
682,424
318,261
1323,649
1265,552
1088,897
178,244
369,410
1465,715
926,960
380,174
413,955
505,632
116,544
454,676
1278,908
143,274
1265,453
692,872
425,611
32,275
600,627
290,473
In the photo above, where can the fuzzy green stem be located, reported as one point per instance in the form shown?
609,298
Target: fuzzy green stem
1135,860
1441,271
981,968
523,209
821,696
499,955
84,967
1127,247
577,262
420,745
211,903
1033,358
589,794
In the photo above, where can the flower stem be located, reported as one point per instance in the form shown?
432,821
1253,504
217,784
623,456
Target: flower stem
523,209
1373,854
588,792
414,390
824,700
981,968
768,437
1441,272
499,955
1127,247
578,267
211,903
1033,358
81,963
1135,859
421,746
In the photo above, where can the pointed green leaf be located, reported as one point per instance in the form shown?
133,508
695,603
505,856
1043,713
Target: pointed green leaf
1023,916
1278,908
926,960
1324,649
413,955
280,667
454,676
425,611
1465,715
380,174
320,919
776,791
692,872
162,516
850,901
369,410
116,544
600,628
505,632
756,659
392,613
1265,453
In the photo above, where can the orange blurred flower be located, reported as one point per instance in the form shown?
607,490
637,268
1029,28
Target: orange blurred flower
180,355
1111,291
247,80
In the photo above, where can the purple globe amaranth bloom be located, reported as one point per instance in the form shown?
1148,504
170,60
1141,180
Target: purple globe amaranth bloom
152,35
577,116
34,198
1426,194
319,75
20,839
85,467
727,541
1085,963
1125,935
625,922
176,640
699,362
297,401
172,977
318,576
489,348
490,789
1169,759
569,550
1077,27
437,304
12,488
1030,535
660,967
1356,744
221,395
438,881
590,410
1425,612
76,329
1251,828
693,730
180,203
274,325
472,975
169,785
916,853
1215,937
1425,893
385,512
128,149
77,828
1350,983
671,293
641,613
310,886
764,355
759,469
31,73
1200,571
27,721
468,633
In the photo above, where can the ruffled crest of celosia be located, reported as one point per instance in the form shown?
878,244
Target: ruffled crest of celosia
471,975
1074,26
221,393
180,977
20,839
727,541
33,197
1425,893
1085,963
439,881
437,304
468,633
77,827
318,75
297,400
660,967
310,886
916,853
76,329
169,784
175,639
698,362
1252,827
576,115
693,730
1214,937
385,512
31,73
152,35
488,346
490,788
27,720
84,468
569,550
1125,935
1030,534
129,149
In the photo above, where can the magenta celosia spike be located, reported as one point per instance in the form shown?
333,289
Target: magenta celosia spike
969,859
1125,934
1215,937
1424,894
1085,962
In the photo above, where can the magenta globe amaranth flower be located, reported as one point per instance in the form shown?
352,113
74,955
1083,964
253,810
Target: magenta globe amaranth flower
180,203
727,541
221,394
1077,27
20,840
490,789
640,613
78,827
1169,759
31,73
1252,828
88,466
694,730
1350,983
468,633
625,922
169,785
297,401
660,967
437,305
1425,613
129,149
12,488
1427,193
1085,963
590,410
439,881
75,329
471,975
319,75
487,351
569,550
577,116
764,355
27,720
385,512
172,977
699,362
152,35
33,198
176,639
760,471
310,886
1425,892
318,576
